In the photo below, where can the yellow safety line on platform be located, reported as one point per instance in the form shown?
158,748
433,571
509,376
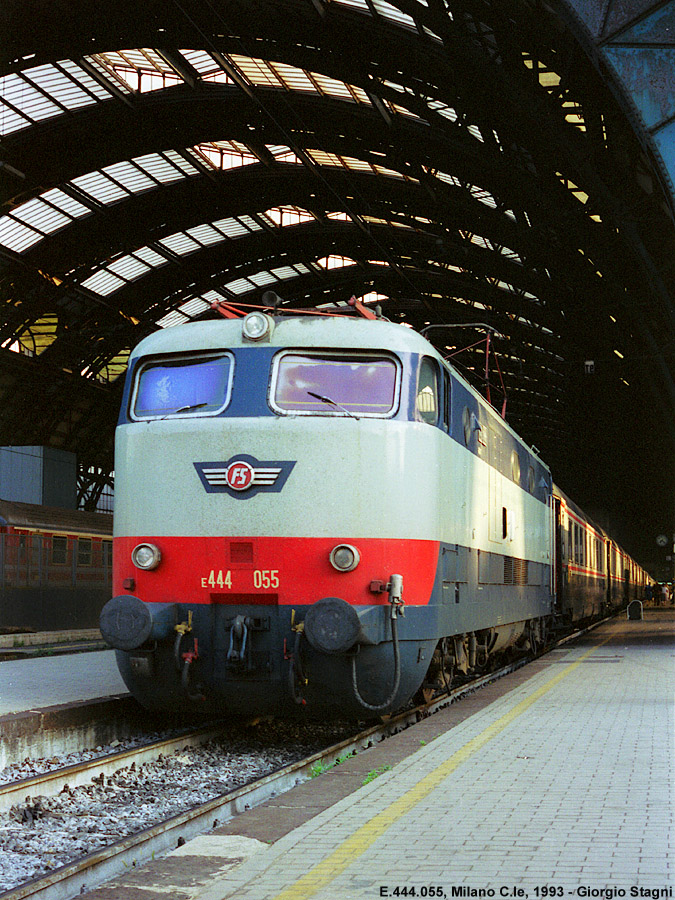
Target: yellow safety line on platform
355,846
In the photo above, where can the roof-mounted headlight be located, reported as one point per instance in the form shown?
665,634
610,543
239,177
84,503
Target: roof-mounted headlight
146,556
257,326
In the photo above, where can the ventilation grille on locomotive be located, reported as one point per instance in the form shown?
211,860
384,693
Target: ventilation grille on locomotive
515,570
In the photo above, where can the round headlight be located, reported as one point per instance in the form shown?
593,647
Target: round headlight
146,556
344,557
256,326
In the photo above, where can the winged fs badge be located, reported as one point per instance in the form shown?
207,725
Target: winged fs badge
244,476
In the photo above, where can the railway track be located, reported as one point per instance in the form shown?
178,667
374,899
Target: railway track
69,880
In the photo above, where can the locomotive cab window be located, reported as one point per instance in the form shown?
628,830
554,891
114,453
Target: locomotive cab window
196,385
515,467
427,392
349,384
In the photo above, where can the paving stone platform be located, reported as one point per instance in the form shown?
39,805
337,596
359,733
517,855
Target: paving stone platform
555,781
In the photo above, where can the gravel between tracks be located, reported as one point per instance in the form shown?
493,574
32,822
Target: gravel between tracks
44,833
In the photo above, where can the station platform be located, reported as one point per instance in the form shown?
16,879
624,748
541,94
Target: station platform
555,781
26,645
46,681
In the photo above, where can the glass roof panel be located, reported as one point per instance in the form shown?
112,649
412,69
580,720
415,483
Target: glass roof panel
285,272
194,307
256,70
66,203
237,227
179,161
240,286
250,223
391,12
180,243
103,283
10,120
79,75
41,215
221,155
59,86
128,267
293,78
149,256
202,61
206,235
282,154
159,167
213,297
26,99
332,87
106,72
141,58
16,236
262,278
357,4
130,177
324,159
360,94
171,319
101,188
443,109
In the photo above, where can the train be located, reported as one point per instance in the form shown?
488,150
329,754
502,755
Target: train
55,567
319,513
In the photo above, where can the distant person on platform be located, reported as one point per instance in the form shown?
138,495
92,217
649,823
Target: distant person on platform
665,594
649,593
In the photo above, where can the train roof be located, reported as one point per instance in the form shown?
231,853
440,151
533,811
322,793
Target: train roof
54,519
311,331
296,330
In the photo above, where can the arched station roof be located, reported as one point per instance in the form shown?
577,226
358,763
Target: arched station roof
455,162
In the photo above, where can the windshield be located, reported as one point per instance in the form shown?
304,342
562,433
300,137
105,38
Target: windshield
335,384
197,385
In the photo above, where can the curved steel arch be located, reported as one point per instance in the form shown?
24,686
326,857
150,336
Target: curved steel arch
471,158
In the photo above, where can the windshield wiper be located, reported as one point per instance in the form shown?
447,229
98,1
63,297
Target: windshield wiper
332,402
181,409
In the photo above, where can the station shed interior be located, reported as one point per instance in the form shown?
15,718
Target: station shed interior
463,163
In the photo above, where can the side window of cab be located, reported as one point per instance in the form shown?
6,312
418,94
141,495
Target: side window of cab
426,399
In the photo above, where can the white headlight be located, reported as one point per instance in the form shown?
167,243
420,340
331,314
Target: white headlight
344,557
257,326
146,556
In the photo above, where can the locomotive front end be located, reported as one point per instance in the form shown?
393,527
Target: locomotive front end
263,559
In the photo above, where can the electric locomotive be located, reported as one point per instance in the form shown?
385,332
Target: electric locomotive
317,511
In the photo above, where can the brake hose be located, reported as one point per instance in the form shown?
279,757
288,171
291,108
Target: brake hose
397,674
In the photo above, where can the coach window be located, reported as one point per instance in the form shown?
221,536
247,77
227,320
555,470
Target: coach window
59,550
197,385
84,551
427,392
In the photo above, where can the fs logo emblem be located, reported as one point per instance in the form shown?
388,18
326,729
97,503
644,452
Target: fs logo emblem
244,476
